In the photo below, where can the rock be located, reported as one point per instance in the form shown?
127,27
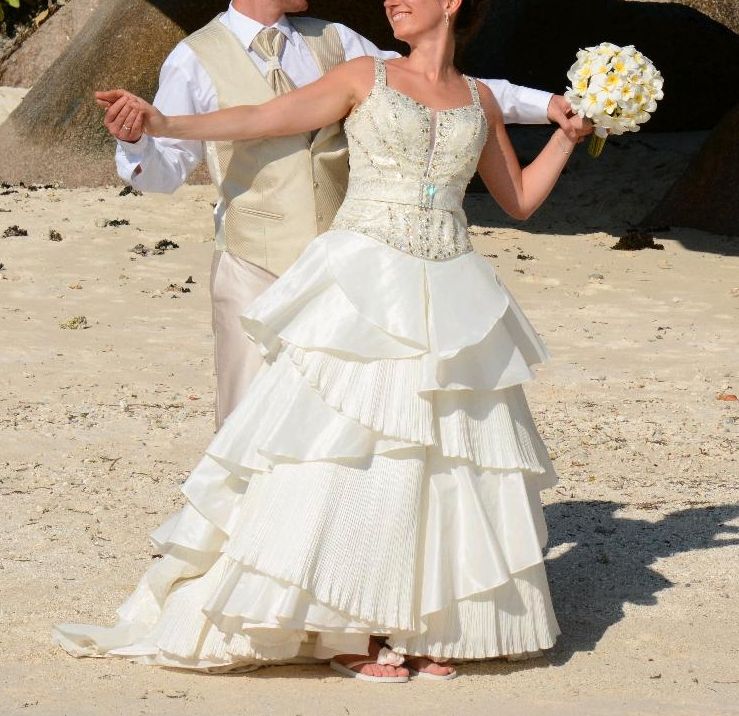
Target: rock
635,240
14,230
596,276
176,288
75,323
113,222
687,46
54,235
44,45
704,196
725,12
129,190
516,43
166,245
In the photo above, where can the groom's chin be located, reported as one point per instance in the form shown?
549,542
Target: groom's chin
295,6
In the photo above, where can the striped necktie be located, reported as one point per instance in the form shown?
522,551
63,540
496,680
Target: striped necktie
269,45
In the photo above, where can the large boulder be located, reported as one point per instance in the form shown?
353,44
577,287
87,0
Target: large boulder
533,42
725,12
706,196
56,134
26,65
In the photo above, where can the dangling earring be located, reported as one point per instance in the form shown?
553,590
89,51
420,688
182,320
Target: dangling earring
446,18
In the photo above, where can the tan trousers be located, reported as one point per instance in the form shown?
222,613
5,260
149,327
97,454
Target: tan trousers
234,284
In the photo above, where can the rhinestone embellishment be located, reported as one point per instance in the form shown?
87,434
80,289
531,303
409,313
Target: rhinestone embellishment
428,192
406,191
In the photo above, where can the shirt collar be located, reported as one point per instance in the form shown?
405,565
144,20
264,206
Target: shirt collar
246,28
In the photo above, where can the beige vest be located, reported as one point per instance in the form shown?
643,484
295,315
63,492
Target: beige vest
278,193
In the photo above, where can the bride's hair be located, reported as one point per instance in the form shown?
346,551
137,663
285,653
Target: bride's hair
470,17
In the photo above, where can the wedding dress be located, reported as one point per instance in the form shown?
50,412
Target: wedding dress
383,473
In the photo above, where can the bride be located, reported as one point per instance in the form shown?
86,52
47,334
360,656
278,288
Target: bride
374,499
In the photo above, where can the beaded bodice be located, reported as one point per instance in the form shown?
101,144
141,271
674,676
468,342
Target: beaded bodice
409,168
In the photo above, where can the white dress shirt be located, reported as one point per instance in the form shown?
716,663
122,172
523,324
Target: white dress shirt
186,88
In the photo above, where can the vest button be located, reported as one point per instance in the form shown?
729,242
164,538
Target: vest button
316,185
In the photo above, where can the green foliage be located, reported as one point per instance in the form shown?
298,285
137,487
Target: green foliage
13,3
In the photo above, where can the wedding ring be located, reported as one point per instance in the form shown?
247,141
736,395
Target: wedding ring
128,129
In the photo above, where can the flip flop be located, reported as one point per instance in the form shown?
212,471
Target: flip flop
346,670
433,677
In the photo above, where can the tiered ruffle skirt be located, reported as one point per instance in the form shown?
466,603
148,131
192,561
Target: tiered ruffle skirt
381,476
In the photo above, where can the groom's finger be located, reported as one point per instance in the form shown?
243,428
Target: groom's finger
110,95
111,114
119,113
130,115
137,128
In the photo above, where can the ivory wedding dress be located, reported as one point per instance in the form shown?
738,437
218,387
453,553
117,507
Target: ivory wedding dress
382,475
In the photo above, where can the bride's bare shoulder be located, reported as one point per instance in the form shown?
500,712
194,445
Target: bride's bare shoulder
489,104
359,74
360,66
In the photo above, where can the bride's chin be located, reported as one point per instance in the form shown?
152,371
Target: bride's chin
402,35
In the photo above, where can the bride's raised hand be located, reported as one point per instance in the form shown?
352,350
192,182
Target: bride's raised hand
582,127
127,116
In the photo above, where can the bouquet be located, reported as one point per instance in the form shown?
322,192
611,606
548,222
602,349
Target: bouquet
616,87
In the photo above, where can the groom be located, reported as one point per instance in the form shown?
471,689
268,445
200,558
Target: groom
277,194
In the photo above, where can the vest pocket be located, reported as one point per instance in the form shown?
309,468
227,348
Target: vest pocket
260,213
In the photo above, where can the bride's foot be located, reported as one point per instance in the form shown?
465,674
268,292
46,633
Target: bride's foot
371,669
429,668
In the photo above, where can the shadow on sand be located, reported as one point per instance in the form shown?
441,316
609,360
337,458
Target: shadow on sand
608,564
609,195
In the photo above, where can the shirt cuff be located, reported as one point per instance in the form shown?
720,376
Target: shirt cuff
132,155
135,152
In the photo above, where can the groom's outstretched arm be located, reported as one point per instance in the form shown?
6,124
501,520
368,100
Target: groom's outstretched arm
519,105
162,164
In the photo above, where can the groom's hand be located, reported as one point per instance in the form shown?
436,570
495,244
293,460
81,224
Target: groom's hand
560,112
120,120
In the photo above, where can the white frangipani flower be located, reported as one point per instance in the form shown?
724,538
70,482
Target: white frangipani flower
616,87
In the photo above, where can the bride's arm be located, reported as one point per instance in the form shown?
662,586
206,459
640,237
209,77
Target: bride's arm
316,105
520,192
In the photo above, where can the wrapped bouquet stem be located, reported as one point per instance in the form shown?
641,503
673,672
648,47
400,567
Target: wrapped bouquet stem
597,142
617,88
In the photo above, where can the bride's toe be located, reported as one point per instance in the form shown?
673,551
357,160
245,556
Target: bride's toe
425,665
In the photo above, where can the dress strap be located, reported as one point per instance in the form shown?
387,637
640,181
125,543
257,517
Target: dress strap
380,71
472,82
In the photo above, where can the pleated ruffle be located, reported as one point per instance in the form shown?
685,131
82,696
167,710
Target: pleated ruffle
381,476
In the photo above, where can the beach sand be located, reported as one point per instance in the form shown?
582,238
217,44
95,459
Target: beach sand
100,425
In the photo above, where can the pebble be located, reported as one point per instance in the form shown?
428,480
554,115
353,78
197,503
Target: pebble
75,323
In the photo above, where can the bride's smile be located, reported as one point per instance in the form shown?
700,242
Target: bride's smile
412,18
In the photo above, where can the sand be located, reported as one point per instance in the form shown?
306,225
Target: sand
100,426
